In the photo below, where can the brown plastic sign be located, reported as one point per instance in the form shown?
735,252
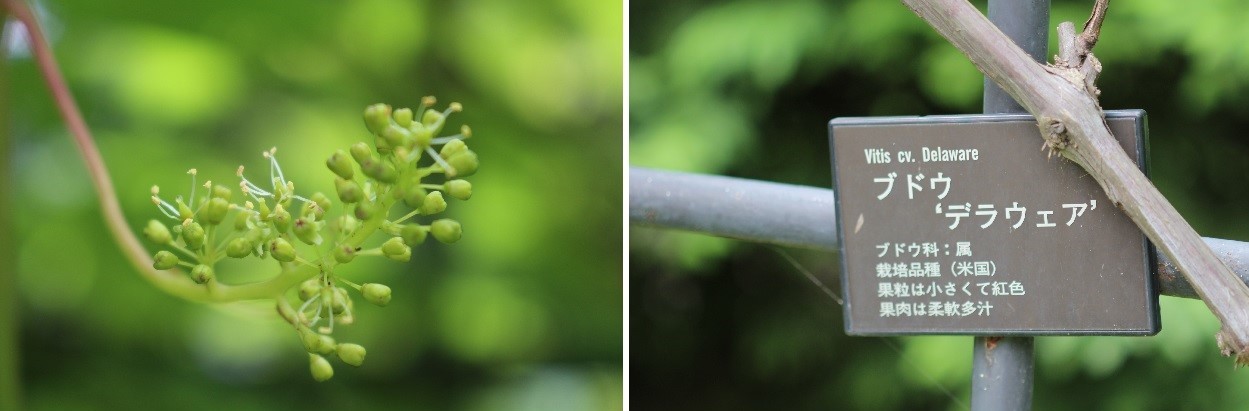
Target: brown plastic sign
961,225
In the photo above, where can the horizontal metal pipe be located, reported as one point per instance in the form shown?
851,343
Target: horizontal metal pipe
800,216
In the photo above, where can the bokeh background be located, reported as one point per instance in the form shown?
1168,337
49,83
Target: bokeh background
745,88
523,314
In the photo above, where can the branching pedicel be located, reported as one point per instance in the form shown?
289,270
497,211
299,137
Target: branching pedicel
261,222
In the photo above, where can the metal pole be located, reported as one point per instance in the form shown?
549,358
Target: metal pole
1002,367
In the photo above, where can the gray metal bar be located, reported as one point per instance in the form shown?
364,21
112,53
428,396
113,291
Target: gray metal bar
732,207
804,217
1002,368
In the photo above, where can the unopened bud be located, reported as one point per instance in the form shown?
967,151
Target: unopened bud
307,231
193,235
222,192
431,117
361,152
377,118
282,250
452,147
157,232
395,249
310,288
239,248
347,224
311,340
413,234
352,354
321,369
464,162
459,189
377,294
280,218
344,254
434,204
397,136
413,194
403,117
348,190
365,210
380,170
446,230
340,164
164,260
202,273
322,201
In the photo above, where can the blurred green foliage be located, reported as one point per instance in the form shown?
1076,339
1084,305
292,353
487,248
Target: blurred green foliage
523,313
746,87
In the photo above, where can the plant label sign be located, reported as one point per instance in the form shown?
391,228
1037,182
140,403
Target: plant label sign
962,225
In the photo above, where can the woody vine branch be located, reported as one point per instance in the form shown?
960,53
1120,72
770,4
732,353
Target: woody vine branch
1064,101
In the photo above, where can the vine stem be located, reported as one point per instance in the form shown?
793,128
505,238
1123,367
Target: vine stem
173,281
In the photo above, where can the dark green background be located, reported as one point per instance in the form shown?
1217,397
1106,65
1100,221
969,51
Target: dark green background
745,88
523,313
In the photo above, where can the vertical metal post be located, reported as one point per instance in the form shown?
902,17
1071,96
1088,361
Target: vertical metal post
1002,367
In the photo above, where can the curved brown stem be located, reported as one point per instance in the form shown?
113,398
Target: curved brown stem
170,281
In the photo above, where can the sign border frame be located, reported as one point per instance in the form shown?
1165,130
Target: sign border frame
1140,122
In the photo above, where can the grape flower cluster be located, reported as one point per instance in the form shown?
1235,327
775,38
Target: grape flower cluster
270,221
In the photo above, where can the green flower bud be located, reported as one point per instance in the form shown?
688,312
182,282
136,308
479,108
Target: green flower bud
282,250
365,210
413,194
193,236
465,163
239,248
344,254
215,211
348,190
222,192
164,260
352,354
327,345
310,288
397,136
322,201
383,147
377,118
241,219
361,152
307,231
395,246
202,274
339,301
281,219
452,147
460,189
377,294
413,234
403,117
446,230
157,232
379,170
347,224
431,117
422,136
312,211
340,165
311,340
434,204
321,369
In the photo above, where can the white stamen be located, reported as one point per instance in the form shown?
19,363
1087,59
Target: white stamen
442,163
